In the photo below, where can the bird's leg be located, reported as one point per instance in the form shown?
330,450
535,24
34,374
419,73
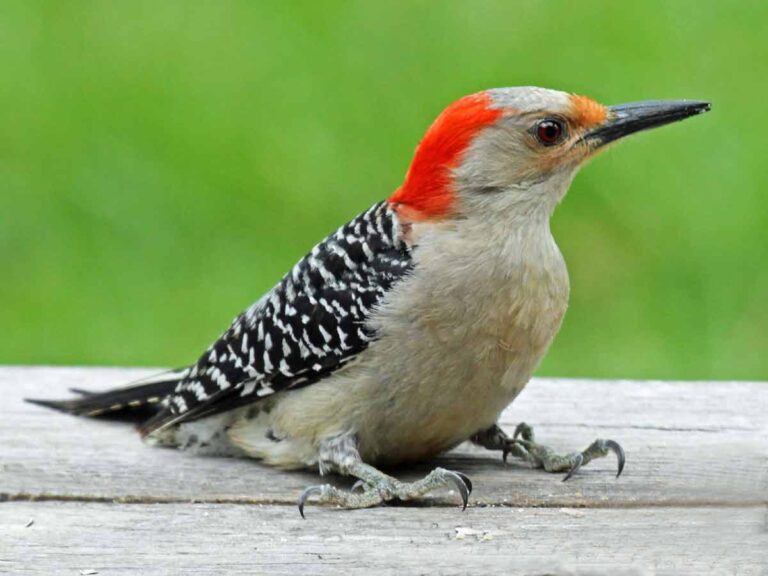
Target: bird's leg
340,455
522,445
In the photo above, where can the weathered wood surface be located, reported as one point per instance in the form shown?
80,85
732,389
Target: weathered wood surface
692,498
67,538
686,443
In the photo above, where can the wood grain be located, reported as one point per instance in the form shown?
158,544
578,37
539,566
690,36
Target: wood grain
687,444
115,539
81,496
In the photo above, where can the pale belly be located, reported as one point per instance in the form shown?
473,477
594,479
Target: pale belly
414,393
453,351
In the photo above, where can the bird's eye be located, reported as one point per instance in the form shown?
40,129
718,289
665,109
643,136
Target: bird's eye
550,131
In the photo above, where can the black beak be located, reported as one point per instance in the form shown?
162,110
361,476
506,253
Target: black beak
626,119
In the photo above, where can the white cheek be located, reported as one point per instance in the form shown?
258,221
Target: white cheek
495,158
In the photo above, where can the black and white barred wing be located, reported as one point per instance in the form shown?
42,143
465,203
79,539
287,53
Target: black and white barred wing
309,325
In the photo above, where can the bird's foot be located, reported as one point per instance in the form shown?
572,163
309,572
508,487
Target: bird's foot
522,445
374,487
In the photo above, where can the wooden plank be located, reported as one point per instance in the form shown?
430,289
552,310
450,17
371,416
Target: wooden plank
113,539
688,443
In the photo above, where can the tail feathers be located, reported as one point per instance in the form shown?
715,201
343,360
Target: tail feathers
136,402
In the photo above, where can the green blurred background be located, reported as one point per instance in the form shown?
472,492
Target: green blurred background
163,163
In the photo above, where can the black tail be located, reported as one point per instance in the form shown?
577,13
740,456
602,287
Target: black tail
135,403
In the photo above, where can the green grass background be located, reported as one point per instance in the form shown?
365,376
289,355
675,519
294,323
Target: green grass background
163,163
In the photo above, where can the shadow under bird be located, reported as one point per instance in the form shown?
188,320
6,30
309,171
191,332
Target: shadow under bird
409,329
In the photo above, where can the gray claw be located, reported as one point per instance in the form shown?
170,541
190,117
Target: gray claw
464,484
466,480
357,486
616,448
317,489
578,460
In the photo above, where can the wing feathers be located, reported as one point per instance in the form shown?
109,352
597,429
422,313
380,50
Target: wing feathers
308,326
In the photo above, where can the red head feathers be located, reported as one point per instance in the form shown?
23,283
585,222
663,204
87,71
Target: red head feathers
427,191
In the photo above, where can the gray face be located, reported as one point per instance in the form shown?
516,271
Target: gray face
544,136
539,138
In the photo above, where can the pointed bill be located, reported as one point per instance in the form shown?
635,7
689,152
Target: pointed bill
626,119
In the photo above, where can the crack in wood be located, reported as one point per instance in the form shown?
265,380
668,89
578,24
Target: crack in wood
430,503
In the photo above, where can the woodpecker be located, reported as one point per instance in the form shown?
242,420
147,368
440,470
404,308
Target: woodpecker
409,329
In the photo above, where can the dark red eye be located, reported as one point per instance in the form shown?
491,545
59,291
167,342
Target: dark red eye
549,132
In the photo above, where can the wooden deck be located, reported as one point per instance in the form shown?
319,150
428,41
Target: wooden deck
80,496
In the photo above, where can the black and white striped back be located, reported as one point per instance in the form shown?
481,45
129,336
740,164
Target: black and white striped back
308,326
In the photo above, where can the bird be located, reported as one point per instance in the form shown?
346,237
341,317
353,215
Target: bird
410,328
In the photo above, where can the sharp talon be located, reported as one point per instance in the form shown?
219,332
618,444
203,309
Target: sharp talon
357,486
577,462
616,448
463,484
467,481
306,494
